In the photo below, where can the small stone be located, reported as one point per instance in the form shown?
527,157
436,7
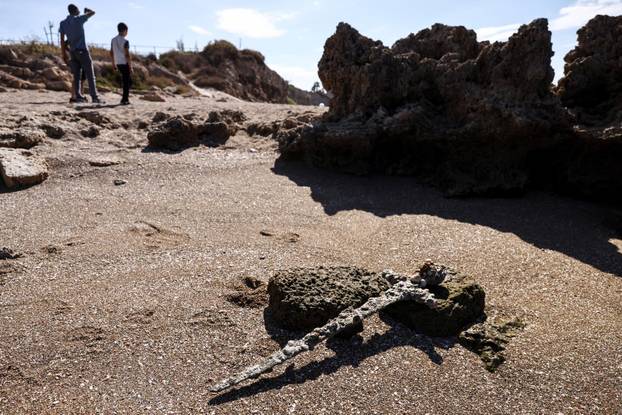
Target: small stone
120,182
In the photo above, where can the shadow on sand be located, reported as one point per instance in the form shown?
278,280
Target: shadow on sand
579,229
348,352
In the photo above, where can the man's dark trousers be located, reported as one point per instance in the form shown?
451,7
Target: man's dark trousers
81,61
127,81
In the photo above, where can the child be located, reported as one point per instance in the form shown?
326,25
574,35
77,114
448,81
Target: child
120,54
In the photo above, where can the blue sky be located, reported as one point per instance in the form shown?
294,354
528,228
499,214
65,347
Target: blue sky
292,33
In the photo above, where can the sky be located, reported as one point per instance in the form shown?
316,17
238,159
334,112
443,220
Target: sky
291,34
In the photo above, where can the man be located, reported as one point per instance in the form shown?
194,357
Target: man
73,29
121,60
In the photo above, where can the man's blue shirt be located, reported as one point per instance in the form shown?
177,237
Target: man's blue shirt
73,28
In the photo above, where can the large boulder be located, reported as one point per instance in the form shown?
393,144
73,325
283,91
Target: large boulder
20,168
592,82
592,91
466,115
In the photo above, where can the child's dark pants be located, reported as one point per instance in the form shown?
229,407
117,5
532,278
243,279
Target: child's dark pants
127,81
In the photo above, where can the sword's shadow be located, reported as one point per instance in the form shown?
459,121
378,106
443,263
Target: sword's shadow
348,352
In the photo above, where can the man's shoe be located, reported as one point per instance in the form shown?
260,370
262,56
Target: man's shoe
125,102
98,101
80,100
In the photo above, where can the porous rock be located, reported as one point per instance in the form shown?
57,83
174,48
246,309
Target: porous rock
305,298
465,115
20,168
461,302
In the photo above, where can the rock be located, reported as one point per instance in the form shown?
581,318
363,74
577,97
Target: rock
305,298
14,82
2,89
160,117
58,85
22,138
6,253
104,162
91,132
120,182
174,134
53,131
95,117
153,97
489,340
592,89
592,86
19,168
462,303
182,132
467,116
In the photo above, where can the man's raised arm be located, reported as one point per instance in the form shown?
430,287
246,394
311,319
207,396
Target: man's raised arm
88,13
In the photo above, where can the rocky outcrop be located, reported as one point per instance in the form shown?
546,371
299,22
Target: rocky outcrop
469,116
592,91
181,132
592,82
241,73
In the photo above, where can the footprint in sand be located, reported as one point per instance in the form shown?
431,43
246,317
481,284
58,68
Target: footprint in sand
155,236
89,335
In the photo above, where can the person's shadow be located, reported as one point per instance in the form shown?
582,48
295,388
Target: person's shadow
348,352
579,229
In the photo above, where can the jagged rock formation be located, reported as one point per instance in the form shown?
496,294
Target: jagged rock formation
180,132
592,90
466,115
592,83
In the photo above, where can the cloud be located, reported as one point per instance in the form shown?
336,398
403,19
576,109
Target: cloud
200,30
135,6
582,11
252,23
497,33
571,17
303,78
